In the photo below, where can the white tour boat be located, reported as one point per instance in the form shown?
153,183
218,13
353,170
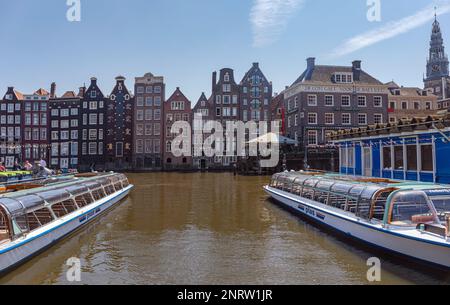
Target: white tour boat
34,217
407,218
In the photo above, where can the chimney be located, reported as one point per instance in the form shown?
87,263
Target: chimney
255,65
81,91
93,81
53,90
311,63
356,70
214,79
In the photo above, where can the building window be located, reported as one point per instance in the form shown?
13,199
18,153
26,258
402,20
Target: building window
92,148
398,158
140,115
362,119
362,101
329,100
345,101
312,137
93,119
312,100
378,118
329,118
387,158
378,101
140,101
312,118
404,105
119,149
427,158
346,119
411,157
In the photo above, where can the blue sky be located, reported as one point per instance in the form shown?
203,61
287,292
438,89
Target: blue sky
186,40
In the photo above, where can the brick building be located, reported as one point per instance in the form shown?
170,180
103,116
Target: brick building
65,129
35,119
406,103
204,108
328,98
148,122
11,127
255,96
176,108
119,127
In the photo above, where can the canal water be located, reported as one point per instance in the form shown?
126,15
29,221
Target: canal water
209,228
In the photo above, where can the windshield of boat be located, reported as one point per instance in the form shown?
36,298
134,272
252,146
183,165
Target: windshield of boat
441,201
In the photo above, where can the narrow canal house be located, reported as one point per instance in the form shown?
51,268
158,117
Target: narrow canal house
417,150
11,127
329,98
65,129
119,127
176,109
255,96
204,109
148,122
35,144
225,92
93,112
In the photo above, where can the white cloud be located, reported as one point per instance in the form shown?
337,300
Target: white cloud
391,29
269,18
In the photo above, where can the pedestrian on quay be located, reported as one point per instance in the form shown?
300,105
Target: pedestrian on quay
2,167
27,166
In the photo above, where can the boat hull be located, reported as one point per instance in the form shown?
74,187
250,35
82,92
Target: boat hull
24,249
362,231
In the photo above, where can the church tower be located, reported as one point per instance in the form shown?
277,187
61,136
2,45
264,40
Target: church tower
437,79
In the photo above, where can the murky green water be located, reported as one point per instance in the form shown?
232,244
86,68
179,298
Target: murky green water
208,229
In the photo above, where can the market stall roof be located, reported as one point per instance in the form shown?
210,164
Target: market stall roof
272,137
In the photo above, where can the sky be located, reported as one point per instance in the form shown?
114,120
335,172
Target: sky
186,40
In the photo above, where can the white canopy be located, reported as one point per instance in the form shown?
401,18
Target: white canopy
272,137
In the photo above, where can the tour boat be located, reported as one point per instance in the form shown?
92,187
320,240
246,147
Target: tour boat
34,218
407,218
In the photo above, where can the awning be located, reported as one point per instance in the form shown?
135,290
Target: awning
272,137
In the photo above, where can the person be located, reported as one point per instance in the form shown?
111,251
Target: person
17,166
43,163
2,168
27,166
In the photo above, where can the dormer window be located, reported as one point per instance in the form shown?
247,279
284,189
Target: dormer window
93,94
226,77
343,78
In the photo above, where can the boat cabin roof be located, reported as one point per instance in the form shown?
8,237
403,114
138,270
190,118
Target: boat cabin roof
364,188
22,201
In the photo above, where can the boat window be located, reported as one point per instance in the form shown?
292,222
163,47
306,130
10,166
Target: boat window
20,225
118,186
33,221
410,208
297,187
88,198
4,226
125,182
69,205
379,205
44,216
59,210
441,202
363,208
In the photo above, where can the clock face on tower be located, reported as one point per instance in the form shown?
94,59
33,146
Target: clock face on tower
436,68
